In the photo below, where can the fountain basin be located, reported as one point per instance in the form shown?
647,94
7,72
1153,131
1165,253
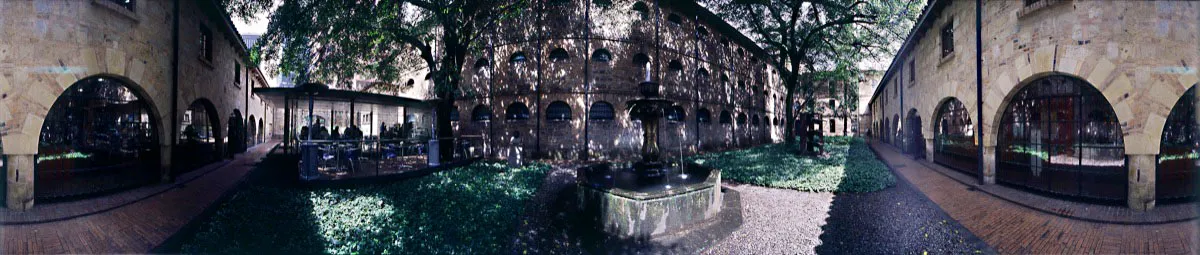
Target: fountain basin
642,200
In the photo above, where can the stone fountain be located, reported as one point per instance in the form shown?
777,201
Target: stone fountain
649,197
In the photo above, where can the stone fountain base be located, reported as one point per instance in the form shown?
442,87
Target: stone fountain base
636,204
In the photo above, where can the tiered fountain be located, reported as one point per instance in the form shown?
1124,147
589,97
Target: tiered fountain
649,197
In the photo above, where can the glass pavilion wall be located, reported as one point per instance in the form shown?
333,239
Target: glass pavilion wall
355,139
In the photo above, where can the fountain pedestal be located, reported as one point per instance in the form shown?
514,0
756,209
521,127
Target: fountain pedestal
649,197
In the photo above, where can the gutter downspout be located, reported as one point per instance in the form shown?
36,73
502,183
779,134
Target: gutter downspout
979,89
587,82
167,176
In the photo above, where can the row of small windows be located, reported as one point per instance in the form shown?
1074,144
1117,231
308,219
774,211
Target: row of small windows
600,111
601,55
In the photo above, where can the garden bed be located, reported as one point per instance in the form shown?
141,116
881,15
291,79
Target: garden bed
470,209
849,167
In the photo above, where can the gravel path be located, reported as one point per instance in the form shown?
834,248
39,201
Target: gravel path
776,221
896,220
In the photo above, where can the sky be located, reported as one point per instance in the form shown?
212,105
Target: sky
258,26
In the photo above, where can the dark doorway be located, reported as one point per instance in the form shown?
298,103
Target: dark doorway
200,138
914,141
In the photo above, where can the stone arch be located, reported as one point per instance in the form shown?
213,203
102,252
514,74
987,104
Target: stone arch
251,130
914,139
516,111
1041,147
200,134
558,111
1009,91
1176,171
954,137
73,160
235,140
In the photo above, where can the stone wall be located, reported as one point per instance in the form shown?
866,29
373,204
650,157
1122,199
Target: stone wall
49,45
1140,54
580,81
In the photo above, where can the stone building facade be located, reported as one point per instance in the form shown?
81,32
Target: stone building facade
1081,99
565,92
164,58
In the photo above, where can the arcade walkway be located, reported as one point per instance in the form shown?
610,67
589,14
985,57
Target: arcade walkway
132,228
1010,228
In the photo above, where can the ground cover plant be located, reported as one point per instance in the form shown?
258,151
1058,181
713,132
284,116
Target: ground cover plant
466,210
850,167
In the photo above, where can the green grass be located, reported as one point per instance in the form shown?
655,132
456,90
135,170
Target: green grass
468,210
850,167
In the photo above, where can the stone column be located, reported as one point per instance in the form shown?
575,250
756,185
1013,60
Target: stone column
929,149
20,182
989,164
164,163
1141,181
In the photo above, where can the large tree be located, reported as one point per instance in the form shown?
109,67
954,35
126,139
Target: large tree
335,41
819,40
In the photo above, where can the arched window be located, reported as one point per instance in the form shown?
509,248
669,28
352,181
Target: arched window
518,57
703,116
601,55
702,31
410,83
454,114
482,63
741,119
724,78
675,66
516,111
481,113
954,138
755,121
98,136
702,73
559,54
741,52
642,10
1179,153
640,60
676,113
558,111
726,117
1060,135
601,111
675,19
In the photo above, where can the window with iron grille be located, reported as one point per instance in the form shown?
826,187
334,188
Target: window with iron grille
558,111
948,39
601,111
206,43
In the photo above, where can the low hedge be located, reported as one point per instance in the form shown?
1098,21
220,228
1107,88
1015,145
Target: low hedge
850,167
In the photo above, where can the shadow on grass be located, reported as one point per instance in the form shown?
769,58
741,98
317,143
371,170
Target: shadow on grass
896,220
461,210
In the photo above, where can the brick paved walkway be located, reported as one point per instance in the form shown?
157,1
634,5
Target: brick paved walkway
1011,228
133,228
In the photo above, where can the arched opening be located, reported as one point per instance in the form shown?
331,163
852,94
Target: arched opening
558,111
954,138
725,118
1179,152
741,119
755,121
1059,135
559,54
200,138
236,140
640,60
481,64
99,136
675,19
601,55
252,132
642,9
676,114
675,66
262,131
516,111
481,113
702,73
601,111
517,57
703,116
914,141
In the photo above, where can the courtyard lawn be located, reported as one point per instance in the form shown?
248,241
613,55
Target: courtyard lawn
472,209
850,167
